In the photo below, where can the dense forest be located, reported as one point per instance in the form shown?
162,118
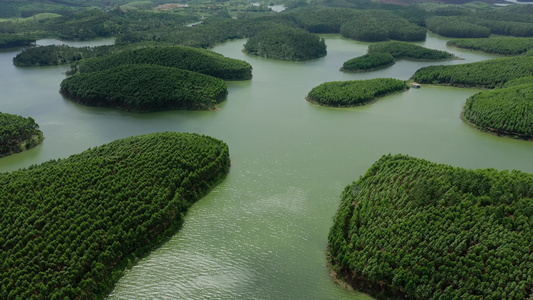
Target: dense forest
355,92
376,26
414,229
286,43
505,46
368,62
509,21
145,88
408,50
69,227
15,40
57,55
17,134
507,111
187,58
489,74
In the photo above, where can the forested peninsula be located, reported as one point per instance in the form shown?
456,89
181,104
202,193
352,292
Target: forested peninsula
286,43
145,88
69,227
187,58
488,74
507,111
407,50
17,134
14,40
383,54
502,45
413,229
355,92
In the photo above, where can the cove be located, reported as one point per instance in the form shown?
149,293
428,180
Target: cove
262,233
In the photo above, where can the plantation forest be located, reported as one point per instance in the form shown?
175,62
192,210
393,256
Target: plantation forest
408,228
414,229
17,134
70,226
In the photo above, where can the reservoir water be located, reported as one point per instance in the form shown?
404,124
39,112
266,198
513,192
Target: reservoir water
262,233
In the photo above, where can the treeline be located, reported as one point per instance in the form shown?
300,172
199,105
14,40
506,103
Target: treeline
193,59
286,43
145,88
456,27
482,24
408,50
413,229
505,46
17,134
57,55
70,227
507,111
368,62
355,92
15,40
376,26
490,73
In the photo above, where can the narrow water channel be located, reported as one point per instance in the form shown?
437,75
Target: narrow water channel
262,233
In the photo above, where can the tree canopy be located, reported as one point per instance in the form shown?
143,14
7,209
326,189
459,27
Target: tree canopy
368,62
407,50
413,229
355,92
187,58
69,227
286,43
490,73
505,46
507,111
145,88
18,133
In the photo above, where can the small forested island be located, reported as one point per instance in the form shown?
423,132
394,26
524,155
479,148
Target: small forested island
70,227
507,111
188,58
145,88
368,62
17,134
503,45
408,50
413,229
354,92
286,43
487,74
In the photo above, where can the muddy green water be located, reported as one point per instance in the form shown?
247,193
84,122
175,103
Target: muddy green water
262,233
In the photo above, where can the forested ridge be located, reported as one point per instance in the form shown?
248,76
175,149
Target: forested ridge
187,58
491,73
68,227
507,111
413,229
145,88
18,133
286,43
354,92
